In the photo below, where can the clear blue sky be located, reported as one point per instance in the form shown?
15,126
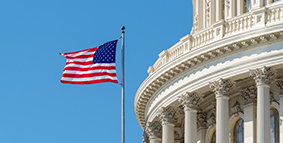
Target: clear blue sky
35,107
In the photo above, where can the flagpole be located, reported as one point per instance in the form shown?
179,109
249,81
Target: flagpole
123,84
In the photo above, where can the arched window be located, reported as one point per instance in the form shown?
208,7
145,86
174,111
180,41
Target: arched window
239,131
274,125
213,138
247,6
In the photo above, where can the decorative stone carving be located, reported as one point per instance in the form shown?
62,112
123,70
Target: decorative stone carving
154,129
167,114
201,117
190,100
272,98
236,108
145,139
279,83
249,95
214,106
263,75
211,120
221,87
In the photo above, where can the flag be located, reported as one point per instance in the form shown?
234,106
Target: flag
94,65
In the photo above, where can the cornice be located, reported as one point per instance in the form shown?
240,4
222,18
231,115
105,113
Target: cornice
197,56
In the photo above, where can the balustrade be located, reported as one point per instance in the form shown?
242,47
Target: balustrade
231,27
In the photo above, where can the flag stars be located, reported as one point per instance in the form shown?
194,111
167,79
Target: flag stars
106,53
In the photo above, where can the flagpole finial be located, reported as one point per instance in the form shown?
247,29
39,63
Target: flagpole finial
123,28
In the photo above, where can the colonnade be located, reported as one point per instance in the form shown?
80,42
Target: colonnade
257,99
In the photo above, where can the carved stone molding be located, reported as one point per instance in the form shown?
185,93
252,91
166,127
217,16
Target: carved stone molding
190,100
167,114
249,95
154,129
221,86
166,74
201,119
262,75
272,98
145,139
214,106
211,120
279,83
236,109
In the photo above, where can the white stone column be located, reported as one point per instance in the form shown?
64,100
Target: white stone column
218,9
200,15
221,89
190,102
167,116
240,7
201,120
249,97
279,83
154,131
262,78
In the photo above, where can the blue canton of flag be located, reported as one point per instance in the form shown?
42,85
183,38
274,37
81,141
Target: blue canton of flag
106,53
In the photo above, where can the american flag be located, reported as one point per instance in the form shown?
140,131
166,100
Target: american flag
94,65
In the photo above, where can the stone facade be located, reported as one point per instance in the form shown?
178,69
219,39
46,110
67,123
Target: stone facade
228,69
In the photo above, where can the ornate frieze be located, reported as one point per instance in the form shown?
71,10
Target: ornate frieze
201,119
262,75
236,109
249,95
190,100
167,114
279,83
211,120
154,129
221,86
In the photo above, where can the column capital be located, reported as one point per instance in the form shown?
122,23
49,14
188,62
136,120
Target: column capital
249,95
201,119
279,83
167,114
154,130
262,75
221,87
189,100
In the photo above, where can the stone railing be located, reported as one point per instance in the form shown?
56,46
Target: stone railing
256,19
239,24
203,37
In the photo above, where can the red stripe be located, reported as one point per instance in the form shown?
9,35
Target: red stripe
91,68
90,82
89,75
85,50
81,63
80,56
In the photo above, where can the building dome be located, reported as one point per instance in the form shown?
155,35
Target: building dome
221,83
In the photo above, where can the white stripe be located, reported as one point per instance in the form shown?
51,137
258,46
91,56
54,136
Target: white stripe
80,60
80,53
88,72
93,65
89,78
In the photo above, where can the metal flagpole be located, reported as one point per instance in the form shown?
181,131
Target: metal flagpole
123,83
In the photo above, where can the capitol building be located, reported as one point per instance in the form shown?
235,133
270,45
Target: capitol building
223,82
